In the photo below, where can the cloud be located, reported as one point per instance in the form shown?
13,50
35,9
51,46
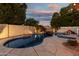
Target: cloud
44,17
34,11
54,6
43,14
39,11
40,14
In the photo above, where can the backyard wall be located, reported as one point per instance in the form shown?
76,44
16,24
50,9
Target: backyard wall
15,30
64,29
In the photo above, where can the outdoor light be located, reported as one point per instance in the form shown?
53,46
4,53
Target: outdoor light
71,9
74,4
77,9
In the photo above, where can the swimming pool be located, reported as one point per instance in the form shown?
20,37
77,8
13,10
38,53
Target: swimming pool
23,42
66,36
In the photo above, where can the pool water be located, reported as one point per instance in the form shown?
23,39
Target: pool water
34,40
23,42
66,36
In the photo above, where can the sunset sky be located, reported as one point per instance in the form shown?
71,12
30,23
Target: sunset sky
43,11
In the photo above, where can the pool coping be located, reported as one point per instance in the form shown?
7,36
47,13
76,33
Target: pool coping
4,51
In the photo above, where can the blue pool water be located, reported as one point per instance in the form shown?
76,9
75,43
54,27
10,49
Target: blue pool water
23,42
66,36
30,41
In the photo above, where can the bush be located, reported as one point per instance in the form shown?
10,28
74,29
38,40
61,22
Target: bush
72,42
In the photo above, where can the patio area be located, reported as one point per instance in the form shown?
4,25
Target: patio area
51,46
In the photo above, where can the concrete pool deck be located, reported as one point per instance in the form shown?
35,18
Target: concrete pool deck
51,46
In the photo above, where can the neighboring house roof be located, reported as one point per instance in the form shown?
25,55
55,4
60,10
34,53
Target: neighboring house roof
70,31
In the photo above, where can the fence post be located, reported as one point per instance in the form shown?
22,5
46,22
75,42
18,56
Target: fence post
8,30
77,30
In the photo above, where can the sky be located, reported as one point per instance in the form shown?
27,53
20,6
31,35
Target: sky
43,11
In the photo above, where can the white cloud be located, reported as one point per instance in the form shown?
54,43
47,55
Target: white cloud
44,23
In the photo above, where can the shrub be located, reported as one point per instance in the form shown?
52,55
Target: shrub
72,42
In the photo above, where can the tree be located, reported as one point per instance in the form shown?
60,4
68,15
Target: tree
69,16
40,28
31,22
12,13
55,15
65,10
55,22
